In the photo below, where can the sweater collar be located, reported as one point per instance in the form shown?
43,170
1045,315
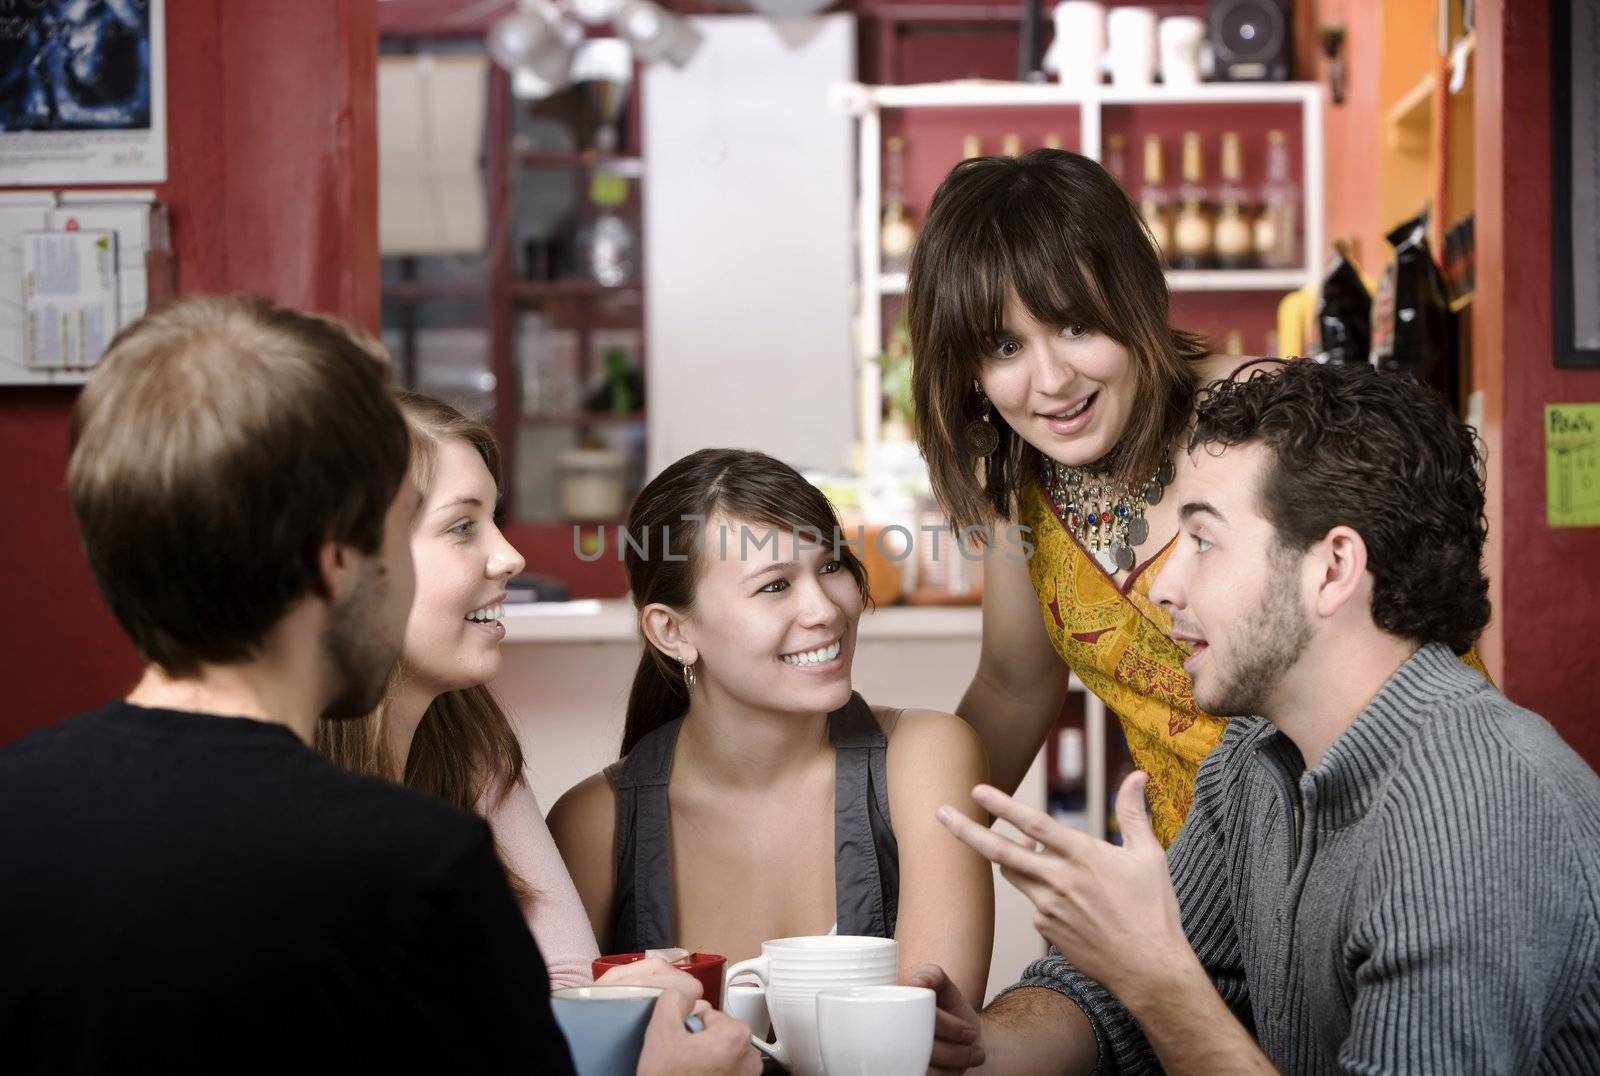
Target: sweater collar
1357,765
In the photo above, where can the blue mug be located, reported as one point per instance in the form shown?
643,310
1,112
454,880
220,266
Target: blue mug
604,1026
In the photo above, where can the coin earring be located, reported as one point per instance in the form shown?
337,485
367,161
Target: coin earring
980,435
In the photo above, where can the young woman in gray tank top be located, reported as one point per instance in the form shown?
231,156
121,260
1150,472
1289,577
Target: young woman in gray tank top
758,796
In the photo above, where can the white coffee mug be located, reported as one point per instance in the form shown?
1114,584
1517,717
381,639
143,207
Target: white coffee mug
1077,54
793,970
1181,39
875,1030
1131,46
747,1002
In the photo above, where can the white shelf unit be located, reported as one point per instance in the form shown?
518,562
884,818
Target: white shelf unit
868,102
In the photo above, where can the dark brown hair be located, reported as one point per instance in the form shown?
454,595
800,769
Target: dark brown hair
1054,227
220,445
1378,453
464,750
747,487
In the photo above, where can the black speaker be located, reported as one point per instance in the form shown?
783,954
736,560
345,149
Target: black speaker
1250,39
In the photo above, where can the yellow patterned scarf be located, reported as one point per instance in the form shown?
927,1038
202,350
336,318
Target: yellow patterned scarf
1115,639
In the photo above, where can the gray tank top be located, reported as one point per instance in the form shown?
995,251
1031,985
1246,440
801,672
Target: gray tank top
866,859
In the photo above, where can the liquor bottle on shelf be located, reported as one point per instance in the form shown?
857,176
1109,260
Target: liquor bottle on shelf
1234,240
1117,159
1275,240
1052,140
898,230
1153,197
971,146
1011,146
1233,343
1192,240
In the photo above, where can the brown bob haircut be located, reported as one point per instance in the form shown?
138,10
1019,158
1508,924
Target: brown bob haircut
1055,228
219,446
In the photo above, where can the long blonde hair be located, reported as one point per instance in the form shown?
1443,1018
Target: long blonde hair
464,751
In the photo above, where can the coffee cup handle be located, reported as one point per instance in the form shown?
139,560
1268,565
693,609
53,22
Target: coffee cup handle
760,967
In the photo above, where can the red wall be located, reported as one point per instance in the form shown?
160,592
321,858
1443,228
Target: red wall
272,159
1548,601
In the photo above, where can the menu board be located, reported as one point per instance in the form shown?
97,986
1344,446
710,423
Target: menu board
1572,464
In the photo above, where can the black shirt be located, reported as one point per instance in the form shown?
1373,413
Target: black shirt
184,891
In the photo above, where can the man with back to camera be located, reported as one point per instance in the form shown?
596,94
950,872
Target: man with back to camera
184,883
1393,868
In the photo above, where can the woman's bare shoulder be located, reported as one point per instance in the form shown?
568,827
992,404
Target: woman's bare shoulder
586,808
921,734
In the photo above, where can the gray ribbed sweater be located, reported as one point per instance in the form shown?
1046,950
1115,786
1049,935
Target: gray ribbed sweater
1438,912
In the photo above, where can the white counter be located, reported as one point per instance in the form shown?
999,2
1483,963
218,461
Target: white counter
615,620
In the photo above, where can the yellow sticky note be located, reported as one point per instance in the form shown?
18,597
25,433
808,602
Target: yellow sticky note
1572,464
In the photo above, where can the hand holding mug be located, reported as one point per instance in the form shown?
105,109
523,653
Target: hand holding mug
654,972
957,1028
671,1049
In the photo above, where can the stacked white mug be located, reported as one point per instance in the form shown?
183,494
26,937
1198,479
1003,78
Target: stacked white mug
793,970
1131,46
1078,53
1181,42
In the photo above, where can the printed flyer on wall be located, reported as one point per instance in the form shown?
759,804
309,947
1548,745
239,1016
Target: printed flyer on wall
83,92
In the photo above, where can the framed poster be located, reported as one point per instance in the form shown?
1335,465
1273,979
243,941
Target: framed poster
83,92
1575,145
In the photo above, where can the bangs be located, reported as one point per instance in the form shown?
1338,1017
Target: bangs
1023,247
1060,291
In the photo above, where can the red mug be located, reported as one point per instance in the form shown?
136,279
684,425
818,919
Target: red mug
706,967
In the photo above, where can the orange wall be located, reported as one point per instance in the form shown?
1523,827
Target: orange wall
1352,131
272,159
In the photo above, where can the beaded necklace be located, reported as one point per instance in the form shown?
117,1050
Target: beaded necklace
1105,516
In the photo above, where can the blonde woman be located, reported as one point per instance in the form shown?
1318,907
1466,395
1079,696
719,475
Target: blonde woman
438,728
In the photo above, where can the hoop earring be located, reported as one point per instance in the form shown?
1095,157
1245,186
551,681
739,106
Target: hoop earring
689,678
980,436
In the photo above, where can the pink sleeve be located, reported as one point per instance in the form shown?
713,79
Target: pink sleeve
557,919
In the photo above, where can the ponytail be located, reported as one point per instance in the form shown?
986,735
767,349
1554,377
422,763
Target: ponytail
656,698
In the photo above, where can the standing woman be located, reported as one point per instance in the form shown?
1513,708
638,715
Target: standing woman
1052,392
